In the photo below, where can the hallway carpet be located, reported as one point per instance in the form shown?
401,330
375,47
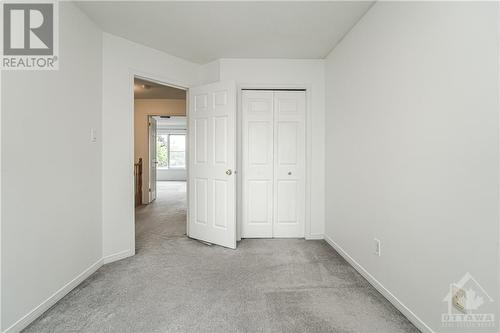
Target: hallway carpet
175,284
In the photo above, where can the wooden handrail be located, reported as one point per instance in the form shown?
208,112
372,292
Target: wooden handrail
138,182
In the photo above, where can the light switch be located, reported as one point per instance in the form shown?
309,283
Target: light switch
378,250
93,135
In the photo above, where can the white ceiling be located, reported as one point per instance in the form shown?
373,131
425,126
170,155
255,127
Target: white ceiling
206,31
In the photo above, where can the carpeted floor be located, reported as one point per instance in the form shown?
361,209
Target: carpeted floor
175,284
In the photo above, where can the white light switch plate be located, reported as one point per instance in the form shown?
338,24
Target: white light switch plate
378,250
93,135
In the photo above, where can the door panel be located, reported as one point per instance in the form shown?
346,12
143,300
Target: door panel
200,141
260,198
220,141
212,184
260,134
201,202
220,197
257,164
287,201
287,142
289,167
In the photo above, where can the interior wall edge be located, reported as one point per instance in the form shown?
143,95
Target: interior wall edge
118,256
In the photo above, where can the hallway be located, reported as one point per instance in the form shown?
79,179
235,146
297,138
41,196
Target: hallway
175,284
164,218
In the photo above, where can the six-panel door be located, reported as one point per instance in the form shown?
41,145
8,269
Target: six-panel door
212,202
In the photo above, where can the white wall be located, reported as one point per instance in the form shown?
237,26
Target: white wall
275,73
412,149
121,59
51,184
210,72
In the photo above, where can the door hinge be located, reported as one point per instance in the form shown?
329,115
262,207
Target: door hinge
149,190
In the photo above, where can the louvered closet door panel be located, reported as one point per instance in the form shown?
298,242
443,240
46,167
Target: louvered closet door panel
289,164
258,166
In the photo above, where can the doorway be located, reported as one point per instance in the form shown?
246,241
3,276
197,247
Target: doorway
160,154
211,160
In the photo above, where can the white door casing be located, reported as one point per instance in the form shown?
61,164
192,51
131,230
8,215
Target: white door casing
212,159
152,129
273,164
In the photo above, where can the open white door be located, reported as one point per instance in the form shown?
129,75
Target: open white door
152,158
212,183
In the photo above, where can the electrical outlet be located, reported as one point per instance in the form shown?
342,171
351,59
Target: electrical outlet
378,250
459,298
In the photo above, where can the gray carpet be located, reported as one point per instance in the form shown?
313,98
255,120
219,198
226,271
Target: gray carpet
175,284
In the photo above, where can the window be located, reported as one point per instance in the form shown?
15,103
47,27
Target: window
177,150
171,151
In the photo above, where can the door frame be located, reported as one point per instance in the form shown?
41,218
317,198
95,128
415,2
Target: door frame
150,160
133,73
239,150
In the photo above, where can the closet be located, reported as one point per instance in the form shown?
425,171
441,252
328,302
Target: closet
273,163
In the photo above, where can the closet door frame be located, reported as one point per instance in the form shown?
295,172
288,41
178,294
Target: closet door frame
308,153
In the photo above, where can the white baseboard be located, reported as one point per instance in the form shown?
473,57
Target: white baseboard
419,323
315,236
45,305
22,323
118,256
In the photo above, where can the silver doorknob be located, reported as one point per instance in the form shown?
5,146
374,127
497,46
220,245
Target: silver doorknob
229,172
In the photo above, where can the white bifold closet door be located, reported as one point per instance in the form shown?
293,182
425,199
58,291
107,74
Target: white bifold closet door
273,161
